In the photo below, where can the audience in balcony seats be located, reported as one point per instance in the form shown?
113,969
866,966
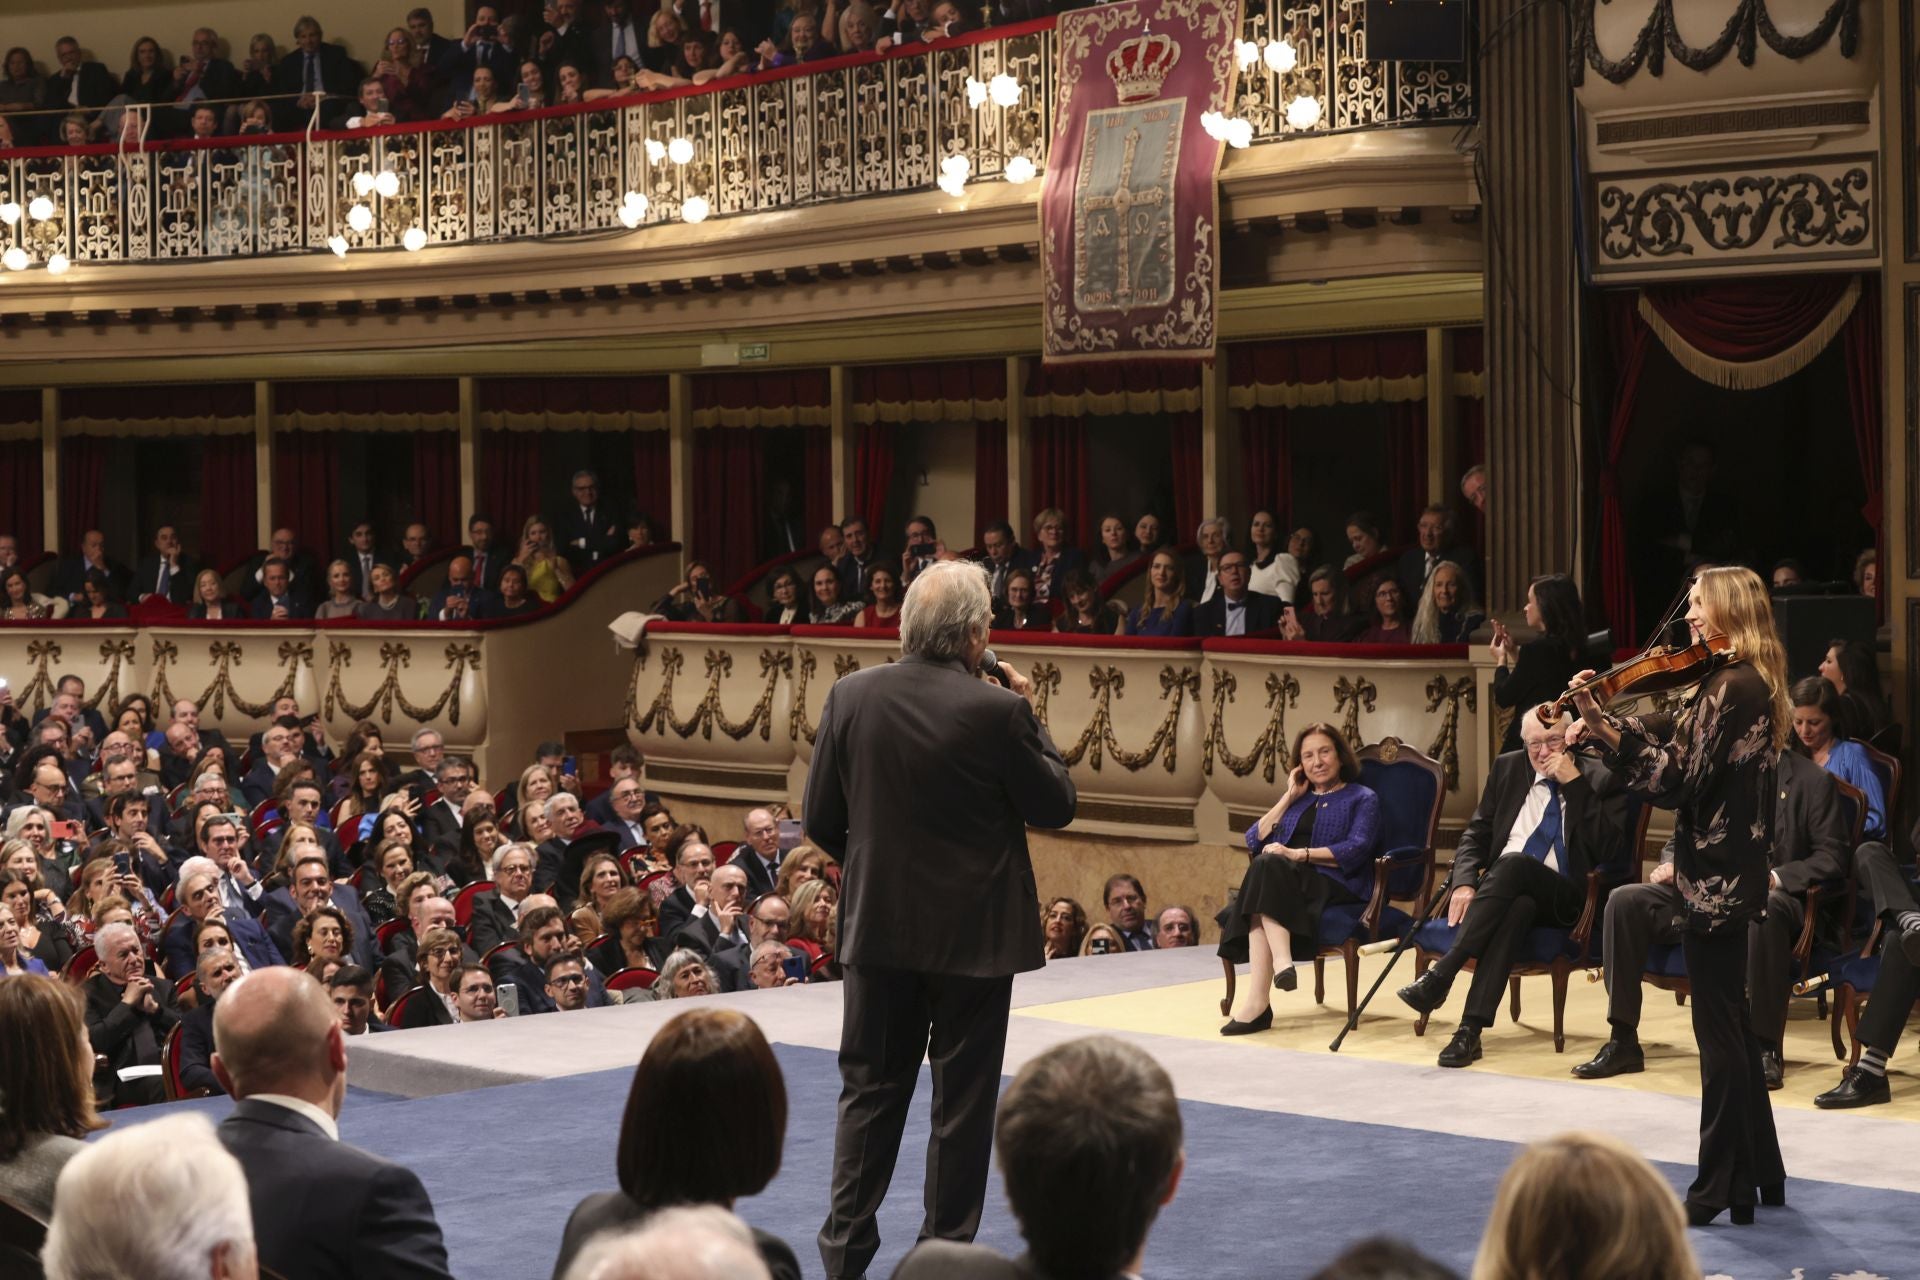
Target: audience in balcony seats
1176,927
1446,614
1363,536
827,608
1235,610
342,600
203,75
1055,559
76,130
1274,572
281,1051
1545,820
549,573
1820,733
389,603
167,573
361,556
570,32
315,72
1004,556
128,1017
1853,669
883,594
1086,613
1584,1206
405,81
373,108
147,81
277,601
731,56
1435,546
789,607
530,91
1166,610
704,1124
1390,622
1539,670
856,560
1126,902
459,599
482,97
697,598
617,36
1021,612
1473,487
1116,550
691,858
75,82
20,85
45,1075
21,604
303,572
489,561
663,42
514,597
1147,533
588,530
70,575
1200,568
415,545
1063,924
257,68
209,598
1313,849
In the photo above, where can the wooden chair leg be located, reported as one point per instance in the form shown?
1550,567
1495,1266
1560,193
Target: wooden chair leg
1319,979
1421,963
1513,998
1350,952
1841,1002
1226,1001
1560,972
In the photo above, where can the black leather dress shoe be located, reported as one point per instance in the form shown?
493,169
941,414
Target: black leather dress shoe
1235,1027
1772,1070
1857,1088
1614,1059
1910,943
1463,1050
1427,992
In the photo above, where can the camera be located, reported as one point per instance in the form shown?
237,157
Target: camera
486,31
1100,947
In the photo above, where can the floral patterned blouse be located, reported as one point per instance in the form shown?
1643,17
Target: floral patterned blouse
1714,766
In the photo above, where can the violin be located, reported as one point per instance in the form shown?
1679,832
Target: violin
1658,670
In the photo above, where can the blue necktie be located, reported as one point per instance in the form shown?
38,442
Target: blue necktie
1546,836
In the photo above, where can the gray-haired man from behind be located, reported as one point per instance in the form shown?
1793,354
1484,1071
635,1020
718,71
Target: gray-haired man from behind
925,779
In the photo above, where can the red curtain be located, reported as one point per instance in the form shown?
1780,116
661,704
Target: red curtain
83,468
436,485
1406,465
989,477
228,509
728,479
1862,338
1188,490
1349,358
528,396
947,383
653,480
306,489
816,500
872,475
1059,477
20,495
1748,320
1267,463
509,480
365,399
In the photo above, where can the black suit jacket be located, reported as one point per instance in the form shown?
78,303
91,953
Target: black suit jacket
439,821
97,87
339,77
492,922
426,1009
146,578
323,1209
279,914
70,577
115,1030
1210,619
1811,839
513,965
1411,571
759,879
1592,820
613,1211
196,1049
933,840
602,538
676,911
498,559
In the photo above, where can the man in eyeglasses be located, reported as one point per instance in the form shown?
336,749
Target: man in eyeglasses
769,919
566,985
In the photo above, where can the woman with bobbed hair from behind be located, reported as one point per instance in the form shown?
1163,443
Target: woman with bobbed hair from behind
1584,1206
705,1123
48,1095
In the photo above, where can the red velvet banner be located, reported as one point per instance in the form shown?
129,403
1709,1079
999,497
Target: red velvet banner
1129,214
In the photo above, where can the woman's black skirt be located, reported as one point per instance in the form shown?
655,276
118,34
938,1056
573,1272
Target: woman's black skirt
1291,894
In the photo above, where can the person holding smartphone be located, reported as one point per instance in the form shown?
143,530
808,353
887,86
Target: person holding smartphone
698,599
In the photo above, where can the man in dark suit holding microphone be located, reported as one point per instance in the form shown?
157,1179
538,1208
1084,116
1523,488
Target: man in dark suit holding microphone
924,780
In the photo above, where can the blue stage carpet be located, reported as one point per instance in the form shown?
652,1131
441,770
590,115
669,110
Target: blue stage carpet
506,1165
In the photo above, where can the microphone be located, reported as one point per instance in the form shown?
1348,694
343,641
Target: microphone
990,668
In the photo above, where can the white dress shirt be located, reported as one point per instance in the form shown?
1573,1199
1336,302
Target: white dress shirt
1531,811
1279,578
1236,616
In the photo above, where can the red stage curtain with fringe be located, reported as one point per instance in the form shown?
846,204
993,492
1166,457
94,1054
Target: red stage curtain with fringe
509,481
872,476
1059,478
306,489
20,473
1406,466
228,506
728,476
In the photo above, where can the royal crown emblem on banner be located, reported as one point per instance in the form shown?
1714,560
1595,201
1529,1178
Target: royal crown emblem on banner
1141,65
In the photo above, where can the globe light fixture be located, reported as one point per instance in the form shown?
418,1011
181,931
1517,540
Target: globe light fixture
695,209
1246,53
1215,125
338,244
9,213
363,184
976,94
57,265
680,150
656,151
1304,111
1239,132
1281,56
414,240
1004,90
360,218
40,209
1020,170
14,259
387,184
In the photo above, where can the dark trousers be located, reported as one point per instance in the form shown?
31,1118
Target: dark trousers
1892,1000
1738,1149
1770,965
1511,898
1881,875
892,1019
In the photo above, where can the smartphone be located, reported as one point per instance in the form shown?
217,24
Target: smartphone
796,967
508,996
122,864
382,106
524,98
570,766
64,830
1101,947
703,587
790,837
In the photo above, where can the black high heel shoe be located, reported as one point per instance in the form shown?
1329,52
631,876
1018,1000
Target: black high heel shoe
1773,1195
1699,1215
1235,1027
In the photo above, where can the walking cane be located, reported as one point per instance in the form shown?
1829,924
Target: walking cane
1374,949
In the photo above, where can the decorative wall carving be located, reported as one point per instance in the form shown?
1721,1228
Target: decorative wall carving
38,691
708,715
1736,219
1270,748
395,657
799,726
1098,738
1445,746
1746,28
1350,694
226,655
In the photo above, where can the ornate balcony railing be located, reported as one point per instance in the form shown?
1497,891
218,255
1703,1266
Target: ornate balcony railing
847,128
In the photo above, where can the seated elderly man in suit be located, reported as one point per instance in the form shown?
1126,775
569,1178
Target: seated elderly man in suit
1435,545
693,865
1810,845
1234,610
216,971
1089,1141
497,911
1544,820
199,899
128,1017
719,924
280,1051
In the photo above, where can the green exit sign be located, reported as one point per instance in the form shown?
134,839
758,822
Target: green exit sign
751,352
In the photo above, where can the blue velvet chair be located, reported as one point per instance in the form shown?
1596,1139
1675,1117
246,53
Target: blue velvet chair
1554,952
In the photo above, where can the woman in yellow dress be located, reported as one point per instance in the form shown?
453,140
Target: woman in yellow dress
548,575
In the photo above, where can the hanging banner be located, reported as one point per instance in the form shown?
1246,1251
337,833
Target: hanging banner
1130,212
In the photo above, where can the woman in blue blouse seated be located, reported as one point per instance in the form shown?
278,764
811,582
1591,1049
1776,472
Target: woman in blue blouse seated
1820,732
1166,610
1313,850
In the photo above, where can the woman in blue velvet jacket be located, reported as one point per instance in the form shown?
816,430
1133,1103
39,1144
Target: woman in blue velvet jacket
1312,850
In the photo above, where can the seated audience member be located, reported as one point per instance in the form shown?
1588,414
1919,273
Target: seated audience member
70,574
342,600
1379,1258
15,960
1314,849
302,570
1116,550
769,919
437,1000
1234,610
1021,612
730,57
628,924
802,864
311,889
1853,669
199,901
548,572
388,602
826,608
1274,572
128,1017
557,869
1584,1206
693,863
351,989
321,935
393,862
1166,610
20,604
49,1107
167,573
1063,923
683,974
1126,902
497,911
815,923
601,877
98,601
1446,614
1434,546
1539,670
280,1051
216,971
1390,622
1786,573
159,1199
374,108
515,598
1004,556
699,599
1089,1140
1176,927
804,44
1545,819
209,598
1086,613
1866,573
883,587
568,984
476,996
460,600
767,967
1363,536
276,601
1054,559
789,606
720,922
543,937
1473,487
1820,733
405,81
705,1123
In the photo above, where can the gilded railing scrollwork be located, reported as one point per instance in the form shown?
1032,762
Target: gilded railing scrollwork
799,725
38,691
1097,739
708,715
1445,746
1350,694
107,691
227,654
394,657
1270,748
165,654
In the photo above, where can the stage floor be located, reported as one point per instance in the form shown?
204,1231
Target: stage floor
1320,1148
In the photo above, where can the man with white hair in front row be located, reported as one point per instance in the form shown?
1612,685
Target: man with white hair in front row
693,1242
160,1201
321,1208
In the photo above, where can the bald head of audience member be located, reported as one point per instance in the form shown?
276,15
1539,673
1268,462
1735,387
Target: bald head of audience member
275,1031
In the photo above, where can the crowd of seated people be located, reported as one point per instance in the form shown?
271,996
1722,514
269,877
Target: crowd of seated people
576,51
